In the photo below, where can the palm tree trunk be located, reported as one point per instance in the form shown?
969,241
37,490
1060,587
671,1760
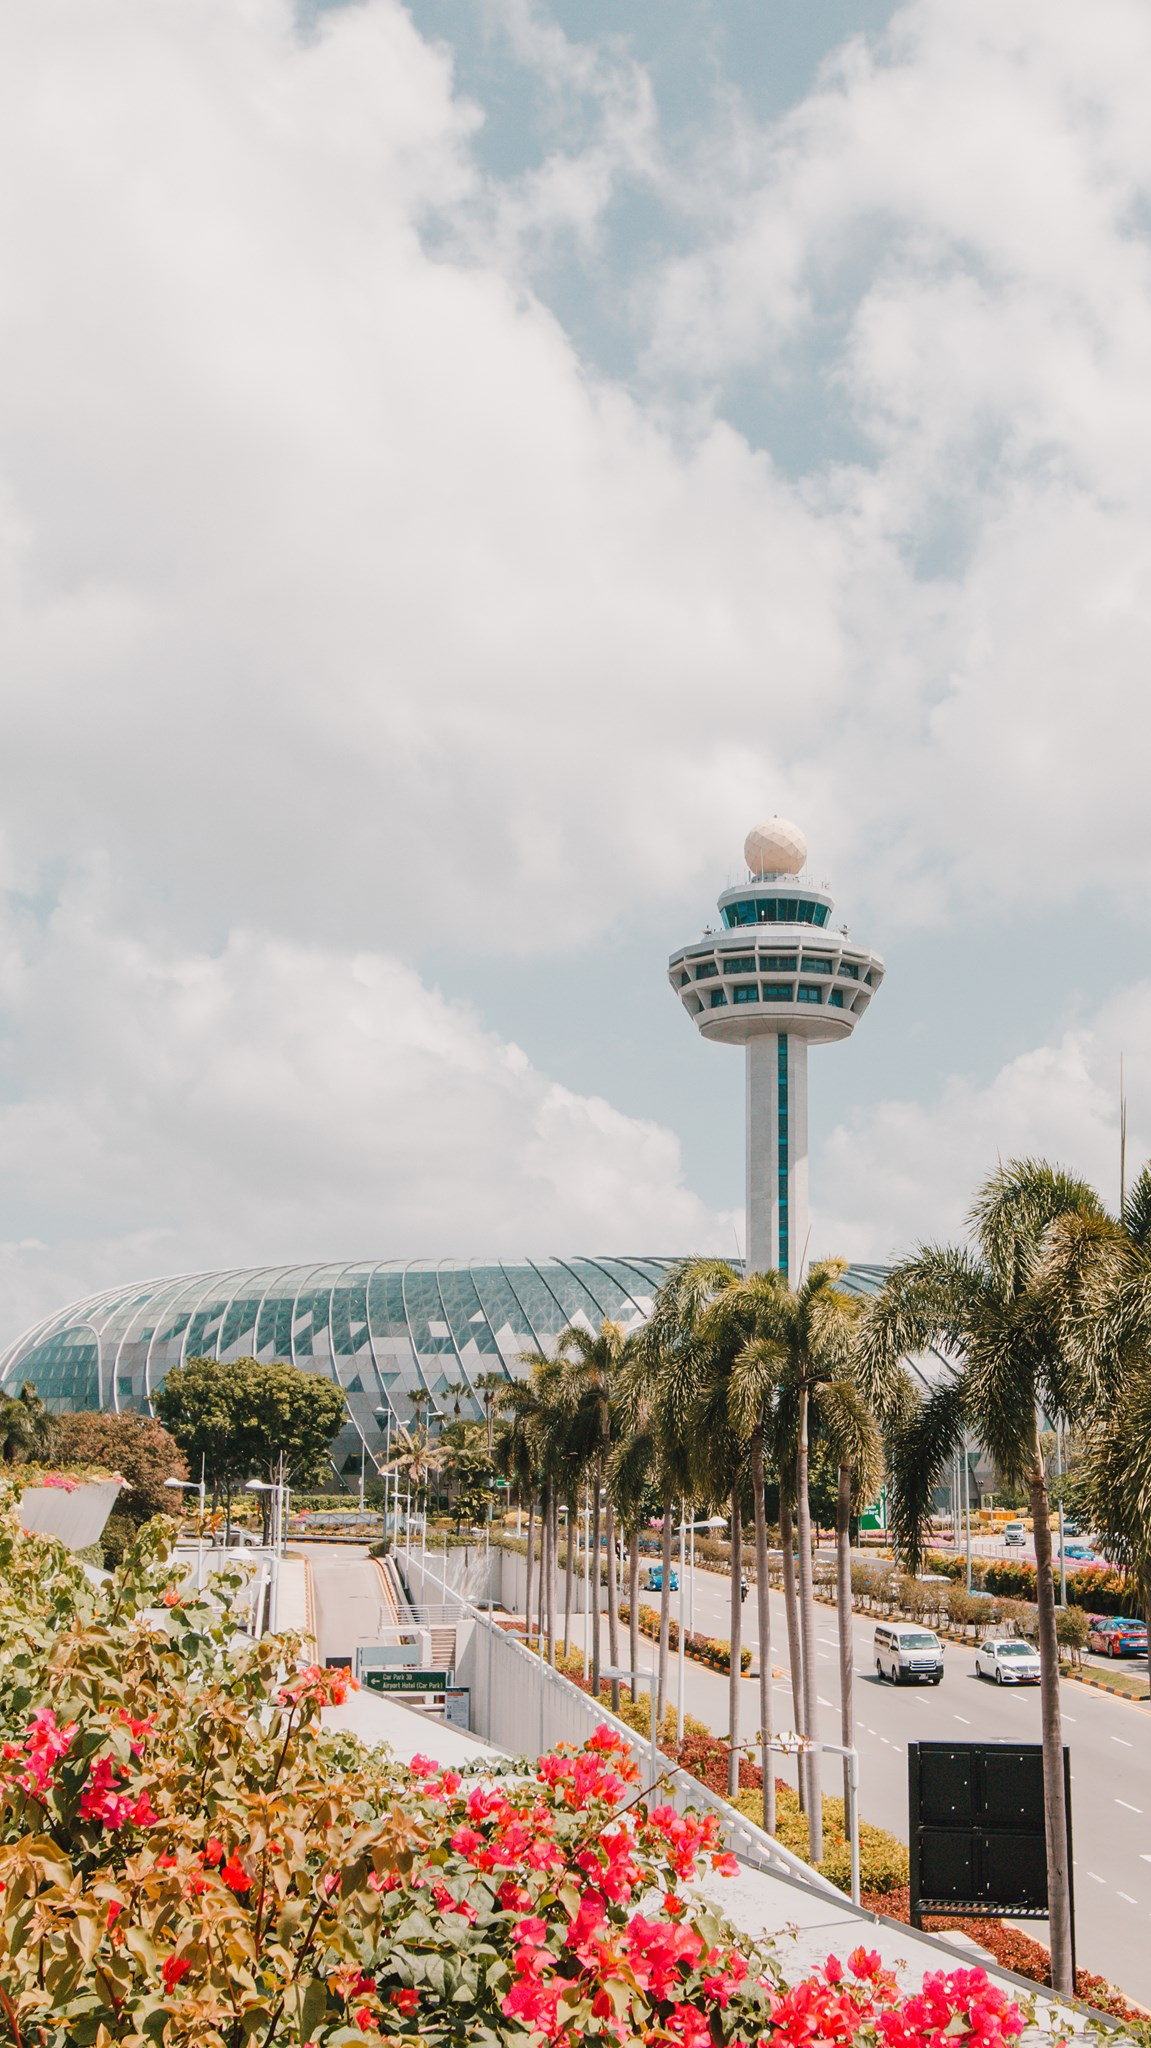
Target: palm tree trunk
807,1629
593,1588
734,1672
612,1602
794,1643
530,1573
1054,1794
664,1614
763,1615
843,1616
633,1602
550,1582
569,1573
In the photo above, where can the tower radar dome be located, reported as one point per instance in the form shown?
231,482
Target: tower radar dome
775,849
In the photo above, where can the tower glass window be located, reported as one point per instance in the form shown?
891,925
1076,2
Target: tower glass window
815,963
774,910
704,969
718,998
747,993
806,993
744,963
778,992
835,998
849,970
779,963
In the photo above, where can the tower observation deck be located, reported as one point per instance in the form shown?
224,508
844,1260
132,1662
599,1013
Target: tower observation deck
776,978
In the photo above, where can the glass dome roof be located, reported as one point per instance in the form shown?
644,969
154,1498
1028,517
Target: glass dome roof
392,1334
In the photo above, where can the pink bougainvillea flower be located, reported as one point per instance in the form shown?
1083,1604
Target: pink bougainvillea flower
174,1969
234,1875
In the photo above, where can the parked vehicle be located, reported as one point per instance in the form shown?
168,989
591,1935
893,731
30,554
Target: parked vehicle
1008,1661
904,1653
655,1579
1014,1534
1115,1635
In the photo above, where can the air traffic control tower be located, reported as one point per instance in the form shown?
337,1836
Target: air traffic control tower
776,978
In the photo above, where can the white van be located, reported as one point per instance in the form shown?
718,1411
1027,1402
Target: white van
903,1651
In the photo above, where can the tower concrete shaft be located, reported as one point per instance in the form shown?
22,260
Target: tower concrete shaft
776,977
777,1154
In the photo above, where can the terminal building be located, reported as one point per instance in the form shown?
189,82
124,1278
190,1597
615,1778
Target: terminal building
401,1338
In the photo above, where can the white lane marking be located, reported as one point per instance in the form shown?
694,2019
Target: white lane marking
1096,1876
1143,1857
885,1742
898,1747
1120,1739
1128,1897
963,1718
1128,1805
822,1701
1070,1717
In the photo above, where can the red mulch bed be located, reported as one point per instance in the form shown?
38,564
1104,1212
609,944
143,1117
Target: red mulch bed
1015,1951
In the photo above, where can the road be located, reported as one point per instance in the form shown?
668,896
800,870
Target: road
1109,1740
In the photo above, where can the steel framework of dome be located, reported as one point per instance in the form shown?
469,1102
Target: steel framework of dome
395,1336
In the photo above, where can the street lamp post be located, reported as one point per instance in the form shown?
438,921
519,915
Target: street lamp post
277,1489
195,1486
617,1674
790,1744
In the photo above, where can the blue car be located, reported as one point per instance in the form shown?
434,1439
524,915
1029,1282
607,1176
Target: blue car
655,1579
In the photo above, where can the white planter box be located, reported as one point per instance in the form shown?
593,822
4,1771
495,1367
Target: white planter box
75,1518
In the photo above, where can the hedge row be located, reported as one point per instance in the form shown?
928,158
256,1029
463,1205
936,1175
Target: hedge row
712,1650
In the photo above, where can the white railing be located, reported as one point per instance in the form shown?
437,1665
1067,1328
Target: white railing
524,1707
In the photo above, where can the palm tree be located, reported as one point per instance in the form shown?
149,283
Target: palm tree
675,1364
589,1364
994,1310
783,1356
417,1456
1100,1271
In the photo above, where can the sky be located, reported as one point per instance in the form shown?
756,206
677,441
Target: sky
461,466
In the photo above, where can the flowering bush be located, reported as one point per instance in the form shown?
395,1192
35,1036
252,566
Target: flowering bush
713,1650
188,1857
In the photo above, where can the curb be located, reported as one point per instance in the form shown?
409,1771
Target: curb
1099,1685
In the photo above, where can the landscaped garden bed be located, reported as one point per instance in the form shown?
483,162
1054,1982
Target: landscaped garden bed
188,1857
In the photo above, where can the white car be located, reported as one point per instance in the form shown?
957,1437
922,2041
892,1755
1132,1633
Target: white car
1008,1662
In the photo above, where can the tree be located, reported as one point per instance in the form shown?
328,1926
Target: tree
27,1430
1100,1273
590,1365
136,1446
994,1310
243,1418
202,1404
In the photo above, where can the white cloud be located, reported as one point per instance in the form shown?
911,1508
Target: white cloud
901,1172
347,613
276,1101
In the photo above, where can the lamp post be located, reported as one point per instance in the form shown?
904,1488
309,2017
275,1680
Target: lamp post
277,1489
618,1675
195,1486
790,1744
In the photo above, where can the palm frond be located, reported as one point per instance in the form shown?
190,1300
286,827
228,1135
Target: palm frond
920,1449
1013,1211
1137,1210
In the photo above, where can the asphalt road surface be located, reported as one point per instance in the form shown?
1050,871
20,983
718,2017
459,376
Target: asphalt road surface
1109,1741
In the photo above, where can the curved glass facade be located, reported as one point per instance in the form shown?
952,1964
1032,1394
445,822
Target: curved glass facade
384,1332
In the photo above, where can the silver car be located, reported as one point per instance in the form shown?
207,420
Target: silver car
1007,1661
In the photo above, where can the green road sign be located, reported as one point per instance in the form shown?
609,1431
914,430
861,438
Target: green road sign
402,1678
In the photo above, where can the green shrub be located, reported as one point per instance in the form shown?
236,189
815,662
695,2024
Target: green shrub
119,1535
882,1859
1071,1625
